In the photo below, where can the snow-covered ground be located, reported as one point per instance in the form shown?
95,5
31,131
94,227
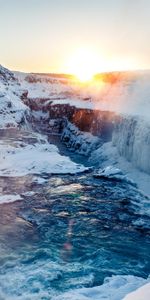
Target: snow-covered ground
49,87
9,198
12,110
129,94
23,159
126,93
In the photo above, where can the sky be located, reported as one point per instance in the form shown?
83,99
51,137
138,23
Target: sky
44,35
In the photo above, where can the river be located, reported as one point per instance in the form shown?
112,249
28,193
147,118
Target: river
67,231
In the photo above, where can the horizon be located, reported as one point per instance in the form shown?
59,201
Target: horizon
73,75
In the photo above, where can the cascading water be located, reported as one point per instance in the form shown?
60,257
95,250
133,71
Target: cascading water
131,137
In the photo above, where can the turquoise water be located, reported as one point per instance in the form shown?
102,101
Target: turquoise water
70,232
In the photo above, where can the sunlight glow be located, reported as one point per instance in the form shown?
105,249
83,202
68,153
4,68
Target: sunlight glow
84,64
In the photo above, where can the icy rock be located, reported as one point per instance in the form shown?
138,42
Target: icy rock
79,141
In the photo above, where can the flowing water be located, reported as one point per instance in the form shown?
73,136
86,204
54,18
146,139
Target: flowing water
67,231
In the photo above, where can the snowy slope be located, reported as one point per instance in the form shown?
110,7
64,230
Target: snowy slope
12,110
46,86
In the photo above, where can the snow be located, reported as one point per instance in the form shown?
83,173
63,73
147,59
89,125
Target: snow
9,198
39,115
112,172
10,114
77,102
113,288
39,180
12,110
126,93
129,94
42,86
35,159
81,142
120,158
143,293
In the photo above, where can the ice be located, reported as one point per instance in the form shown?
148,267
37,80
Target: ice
113,288
75,101
127,155
79,141
35,159
112,172
132,140
107,155
125,93
40,180
9,198
143,293
12,110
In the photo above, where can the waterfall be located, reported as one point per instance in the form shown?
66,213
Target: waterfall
131,137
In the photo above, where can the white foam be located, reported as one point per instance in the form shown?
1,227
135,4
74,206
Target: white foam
113,288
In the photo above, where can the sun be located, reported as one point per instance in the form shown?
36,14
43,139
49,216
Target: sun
84,64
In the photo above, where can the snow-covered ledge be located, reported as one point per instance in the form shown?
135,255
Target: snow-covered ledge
143,293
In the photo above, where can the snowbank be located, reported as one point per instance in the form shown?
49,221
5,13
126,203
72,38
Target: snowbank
9,198
35,159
